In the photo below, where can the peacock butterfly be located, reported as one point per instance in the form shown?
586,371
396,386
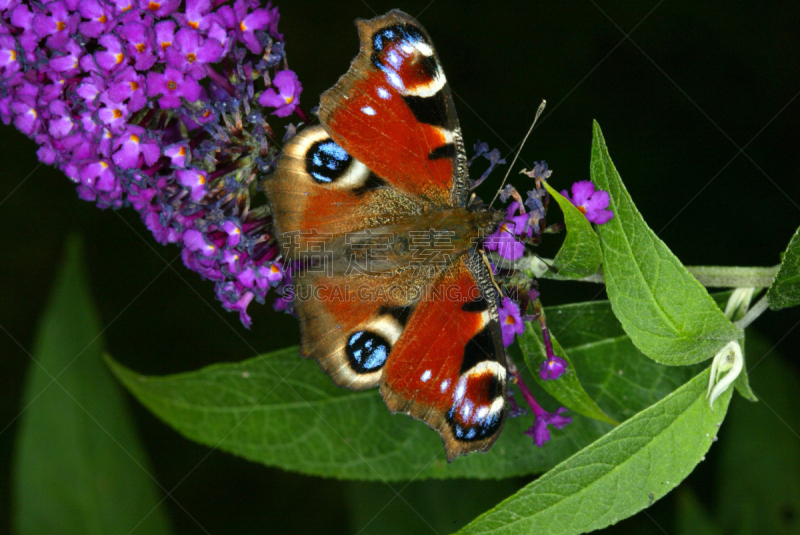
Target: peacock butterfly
373,210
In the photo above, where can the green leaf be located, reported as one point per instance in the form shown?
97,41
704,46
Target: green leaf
281,410
580,254
692,518
567,389
742,385
759,466
622,473
620,379
666,312
79,467
785,289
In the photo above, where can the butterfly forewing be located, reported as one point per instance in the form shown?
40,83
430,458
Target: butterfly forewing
393,111
320,192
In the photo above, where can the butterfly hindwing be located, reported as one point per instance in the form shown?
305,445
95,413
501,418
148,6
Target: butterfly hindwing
349,325
393,110
453,375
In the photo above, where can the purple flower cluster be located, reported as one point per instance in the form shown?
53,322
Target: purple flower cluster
512,323
521,226
509,241
152,104
505,239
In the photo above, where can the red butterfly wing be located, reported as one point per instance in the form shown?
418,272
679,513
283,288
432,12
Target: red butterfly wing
448,367
393,111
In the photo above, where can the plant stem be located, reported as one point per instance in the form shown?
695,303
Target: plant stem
757,309
734,277
709,276
548,345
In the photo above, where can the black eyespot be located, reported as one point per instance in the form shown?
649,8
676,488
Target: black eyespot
367,351
326,161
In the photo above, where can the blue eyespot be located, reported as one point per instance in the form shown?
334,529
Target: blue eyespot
326,161
397,32
367,351
483,425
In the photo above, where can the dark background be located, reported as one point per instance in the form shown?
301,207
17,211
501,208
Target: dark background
699,111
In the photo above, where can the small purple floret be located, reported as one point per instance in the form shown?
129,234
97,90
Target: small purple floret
195,180
552,368
190,52
248,24
592,203
540,432
171,86
286,98
132,145
511,323
540,171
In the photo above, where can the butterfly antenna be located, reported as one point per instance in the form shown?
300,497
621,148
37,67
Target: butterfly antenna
488,265
538,113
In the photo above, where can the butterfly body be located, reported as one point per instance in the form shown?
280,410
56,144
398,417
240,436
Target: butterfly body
372,208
